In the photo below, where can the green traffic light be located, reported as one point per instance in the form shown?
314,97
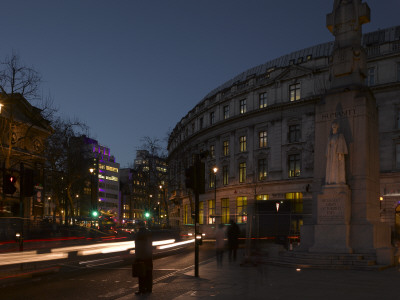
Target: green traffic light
147,215
95,213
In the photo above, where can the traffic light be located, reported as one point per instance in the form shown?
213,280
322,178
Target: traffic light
195,178
201,177
189,178
95,213
28,183
147,215
9,184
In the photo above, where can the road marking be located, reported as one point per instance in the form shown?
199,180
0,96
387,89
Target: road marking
102,264
116,293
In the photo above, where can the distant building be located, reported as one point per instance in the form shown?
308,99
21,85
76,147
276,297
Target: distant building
259,131
106,174
132,206
144,188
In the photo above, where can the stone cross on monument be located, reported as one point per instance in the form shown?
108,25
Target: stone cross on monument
349,58
345,205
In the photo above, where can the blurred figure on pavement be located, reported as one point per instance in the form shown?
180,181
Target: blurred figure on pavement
144,253
233,239
220,243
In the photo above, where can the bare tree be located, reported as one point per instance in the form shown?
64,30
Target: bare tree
17,78
64,162
155,173
19,84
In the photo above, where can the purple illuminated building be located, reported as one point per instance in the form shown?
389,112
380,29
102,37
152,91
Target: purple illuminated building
106,177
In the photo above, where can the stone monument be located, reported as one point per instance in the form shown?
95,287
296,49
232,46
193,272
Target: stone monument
346,186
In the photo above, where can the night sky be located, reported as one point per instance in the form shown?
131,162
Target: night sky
130,68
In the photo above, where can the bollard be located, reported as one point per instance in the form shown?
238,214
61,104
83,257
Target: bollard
20,241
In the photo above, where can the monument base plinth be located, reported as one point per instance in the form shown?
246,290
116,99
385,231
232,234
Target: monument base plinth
332,231
331,239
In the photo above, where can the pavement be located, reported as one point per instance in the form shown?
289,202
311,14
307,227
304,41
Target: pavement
261,280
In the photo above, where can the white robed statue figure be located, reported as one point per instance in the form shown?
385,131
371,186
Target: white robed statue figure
335,160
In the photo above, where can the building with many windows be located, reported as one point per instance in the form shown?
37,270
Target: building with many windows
105,178
258,129
144,189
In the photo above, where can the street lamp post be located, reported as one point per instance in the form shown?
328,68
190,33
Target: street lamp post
163,199
277,204
92,196
215,170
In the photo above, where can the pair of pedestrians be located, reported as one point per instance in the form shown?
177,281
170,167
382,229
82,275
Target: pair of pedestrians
233,233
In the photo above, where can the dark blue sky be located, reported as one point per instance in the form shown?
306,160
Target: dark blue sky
132,68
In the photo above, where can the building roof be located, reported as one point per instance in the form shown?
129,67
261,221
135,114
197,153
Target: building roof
322,50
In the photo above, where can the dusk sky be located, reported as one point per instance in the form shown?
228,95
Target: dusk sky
130,68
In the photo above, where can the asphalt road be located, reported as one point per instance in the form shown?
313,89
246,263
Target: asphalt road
101,280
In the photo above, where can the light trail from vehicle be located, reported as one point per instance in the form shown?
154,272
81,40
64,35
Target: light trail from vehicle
81,250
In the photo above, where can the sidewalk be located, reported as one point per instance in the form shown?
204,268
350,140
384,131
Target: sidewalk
264,281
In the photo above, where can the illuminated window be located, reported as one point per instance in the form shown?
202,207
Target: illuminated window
225,175
294,91
212,151
186,216
112,178
212,176
201,212
294,165
296,202
262,197
243,143
112,169
242,104
262,139
262,100
225,210
226,148
294,133
242,172
262,169
211,211
241,210
226,112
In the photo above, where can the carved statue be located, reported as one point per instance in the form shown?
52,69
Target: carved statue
335,160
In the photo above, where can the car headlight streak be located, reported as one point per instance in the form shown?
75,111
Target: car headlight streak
81,250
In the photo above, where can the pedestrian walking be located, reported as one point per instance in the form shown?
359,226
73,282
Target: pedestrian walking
233,239
220,243
144,254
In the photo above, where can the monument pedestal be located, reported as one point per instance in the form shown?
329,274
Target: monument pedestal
346,209
332,231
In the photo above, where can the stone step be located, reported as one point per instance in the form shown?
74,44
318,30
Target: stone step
339,260
277,262
329,256
327,261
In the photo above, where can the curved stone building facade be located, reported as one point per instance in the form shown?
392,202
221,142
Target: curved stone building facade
258,129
